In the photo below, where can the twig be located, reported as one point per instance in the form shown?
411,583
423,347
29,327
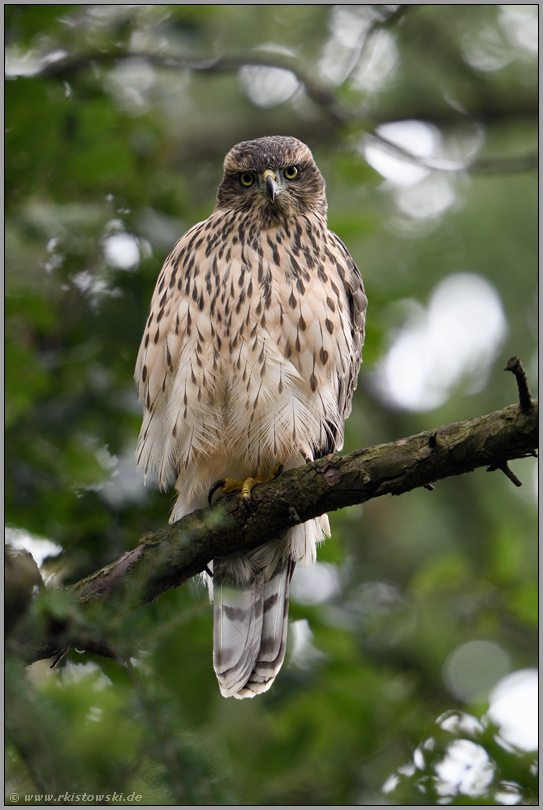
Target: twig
514,364
507,471
506,165
366,36
499,165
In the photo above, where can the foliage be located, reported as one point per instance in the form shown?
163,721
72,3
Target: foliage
118,118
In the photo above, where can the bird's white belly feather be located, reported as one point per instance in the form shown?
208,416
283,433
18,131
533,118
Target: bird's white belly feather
255,383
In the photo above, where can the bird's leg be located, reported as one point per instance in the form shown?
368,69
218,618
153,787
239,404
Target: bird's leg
227,485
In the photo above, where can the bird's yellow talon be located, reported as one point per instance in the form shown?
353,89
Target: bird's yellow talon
247,486
232,485
228,485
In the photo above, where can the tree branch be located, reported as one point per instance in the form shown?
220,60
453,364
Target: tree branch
168,557
499,165
489,108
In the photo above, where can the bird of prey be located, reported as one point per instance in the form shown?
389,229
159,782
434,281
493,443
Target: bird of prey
247,366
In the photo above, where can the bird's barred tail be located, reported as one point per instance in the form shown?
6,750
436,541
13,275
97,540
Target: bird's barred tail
250,629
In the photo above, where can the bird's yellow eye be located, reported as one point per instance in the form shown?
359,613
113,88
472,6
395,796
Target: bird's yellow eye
291,172
246,179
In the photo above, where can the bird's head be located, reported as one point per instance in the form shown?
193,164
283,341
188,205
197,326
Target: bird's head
275,177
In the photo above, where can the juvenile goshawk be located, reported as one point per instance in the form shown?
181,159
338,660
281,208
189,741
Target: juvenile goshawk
247,365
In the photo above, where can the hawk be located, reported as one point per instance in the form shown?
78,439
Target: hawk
247,366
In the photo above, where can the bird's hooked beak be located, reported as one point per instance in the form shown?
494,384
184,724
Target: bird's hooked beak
271,185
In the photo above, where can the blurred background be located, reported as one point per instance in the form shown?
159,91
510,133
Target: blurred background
410,675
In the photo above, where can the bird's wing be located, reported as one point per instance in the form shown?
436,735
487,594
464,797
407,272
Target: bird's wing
169,372
357,301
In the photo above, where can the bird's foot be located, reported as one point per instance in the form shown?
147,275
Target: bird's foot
228,485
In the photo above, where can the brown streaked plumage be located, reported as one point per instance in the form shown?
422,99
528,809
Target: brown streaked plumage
249,359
